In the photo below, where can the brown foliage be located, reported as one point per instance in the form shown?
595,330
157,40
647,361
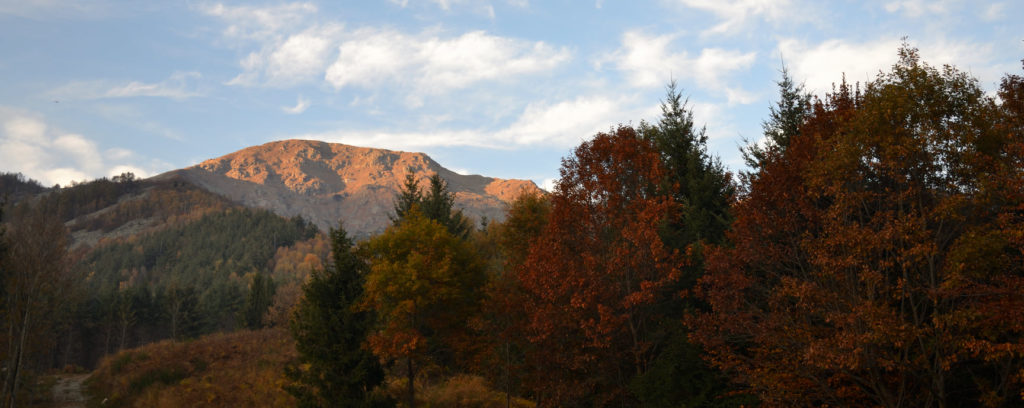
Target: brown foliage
242,369
877,261
592,275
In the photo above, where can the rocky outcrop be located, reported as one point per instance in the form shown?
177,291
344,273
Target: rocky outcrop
326,182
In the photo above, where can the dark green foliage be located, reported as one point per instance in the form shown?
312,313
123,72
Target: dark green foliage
261,295
180,282
436,203
696,180
15,186
702,188
336,370
784,121
410,195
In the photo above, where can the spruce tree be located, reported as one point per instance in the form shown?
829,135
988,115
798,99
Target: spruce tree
436,203
330,331
784,121
702,188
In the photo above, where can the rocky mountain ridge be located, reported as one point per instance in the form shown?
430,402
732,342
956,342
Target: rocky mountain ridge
327,182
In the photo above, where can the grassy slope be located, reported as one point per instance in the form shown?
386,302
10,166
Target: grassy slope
241,369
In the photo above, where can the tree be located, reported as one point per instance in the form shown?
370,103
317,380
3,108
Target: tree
592,277
36,280
694,180
784,121
423,284
877,260
501,328
436,203
702,191
259,299
330,333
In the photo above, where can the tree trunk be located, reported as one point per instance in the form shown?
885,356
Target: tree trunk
412,389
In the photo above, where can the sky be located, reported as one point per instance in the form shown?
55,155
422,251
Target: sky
503,88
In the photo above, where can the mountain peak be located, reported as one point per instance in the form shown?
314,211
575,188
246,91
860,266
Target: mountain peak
325,182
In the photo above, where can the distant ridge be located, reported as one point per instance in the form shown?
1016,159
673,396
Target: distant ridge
324,182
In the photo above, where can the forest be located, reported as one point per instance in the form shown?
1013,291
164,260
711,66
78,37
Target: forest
871,254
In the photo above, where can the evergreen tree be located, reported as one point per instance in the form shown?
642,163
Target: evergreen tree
784,121
696,180
329,332
436,203
702,190
410,195
261,295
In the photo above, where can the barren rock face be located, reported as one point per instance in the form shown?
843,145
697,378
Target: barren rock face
328,182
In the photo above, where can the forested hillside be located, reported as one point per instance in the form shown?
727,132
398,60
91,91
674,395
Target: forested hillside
871,255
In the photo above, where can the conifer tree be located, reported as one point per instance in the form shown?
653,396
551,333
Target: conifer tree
784,121
436,203
701,190
330,331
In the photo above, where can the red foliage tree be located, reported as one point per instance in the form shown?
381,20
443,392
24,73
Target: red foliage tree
594,272
878,260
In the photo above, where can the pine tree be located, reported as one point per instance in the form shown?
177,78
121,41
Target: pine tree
261,295
436,203
329,332
702,190
410,196
784,121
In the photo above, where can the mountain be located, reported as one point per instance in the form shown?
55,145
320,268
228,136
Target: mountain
326,182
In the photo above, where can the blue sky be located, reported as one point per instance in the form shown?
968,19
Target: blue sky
504,88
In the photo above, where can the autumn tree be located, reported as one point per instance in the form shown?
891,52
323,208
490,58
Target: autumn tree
37,280
592,276
423,284
501,340
877,260
330,330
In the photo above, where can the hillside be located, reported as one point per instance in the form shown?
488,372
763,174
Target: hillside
324,182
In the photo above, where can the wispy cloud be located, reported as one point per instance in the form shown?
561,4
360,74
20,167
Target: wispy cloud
561,124
260,22
649,61
176,87
917,8
735,15
299,107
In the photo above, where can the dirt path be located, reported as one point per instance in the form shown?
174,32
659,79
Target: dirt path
67,393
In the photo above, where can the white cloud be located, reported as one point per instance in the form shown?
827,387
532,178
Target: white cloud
562,124
565,123
432,64
259,23
648,62
821,65
549,184
917,8
30,146
299,107
175,87
293,49
735,14
290,59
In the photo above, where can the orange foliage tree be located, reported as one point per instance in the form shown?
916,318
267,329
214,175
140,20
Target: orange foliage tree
877,260
591,277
